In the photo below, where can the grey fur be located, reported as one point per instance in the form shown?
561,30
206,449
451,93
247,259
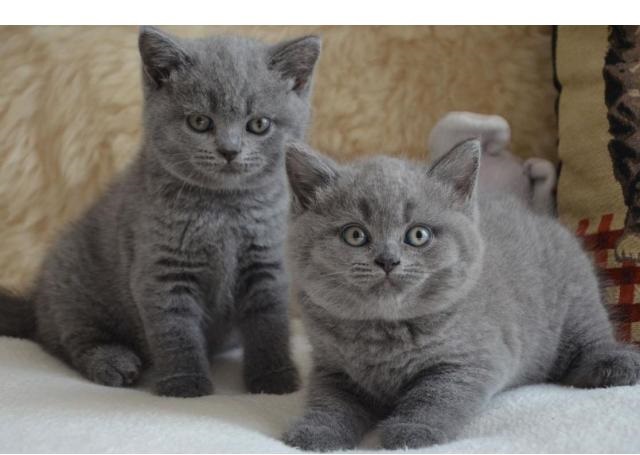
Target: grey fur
184,247
499,298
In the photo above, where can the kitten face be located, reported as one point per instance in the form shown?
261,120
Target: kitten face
393,205
218,110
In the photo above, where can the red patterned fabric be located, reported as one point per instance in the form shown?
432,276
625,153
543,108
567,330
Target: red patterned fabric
621,278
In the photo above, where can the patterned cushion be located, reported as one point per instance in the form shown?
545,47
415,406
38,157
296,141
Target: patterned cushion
598,74
621,279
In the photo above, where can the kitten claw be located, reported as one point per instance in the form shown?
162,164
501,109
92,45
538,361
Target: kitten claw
184,386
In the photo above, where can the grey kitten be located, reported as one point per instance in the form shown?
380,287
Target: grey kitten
422,302
187,244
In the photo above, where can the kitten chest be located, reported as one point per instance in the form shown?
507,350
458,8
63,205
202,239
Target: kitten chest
230,239
380,357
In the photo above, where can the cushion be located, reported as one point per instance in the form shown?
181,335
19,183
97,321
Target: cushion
598,71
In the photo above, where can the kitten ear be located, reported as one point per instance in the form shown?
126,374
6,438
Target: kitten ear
308,171
296,60
161,54
459,168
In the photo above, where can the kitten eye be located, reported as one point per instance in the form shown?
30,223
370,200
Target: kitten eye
199,123
354,235
418,236
259,125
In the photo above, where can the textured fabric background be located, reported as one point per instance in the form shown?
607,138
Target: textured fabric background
586,186
70,107
590,200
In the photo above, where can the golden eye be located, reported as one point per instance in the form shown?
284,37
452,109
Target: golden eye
354,235
418,236
199,123
259,125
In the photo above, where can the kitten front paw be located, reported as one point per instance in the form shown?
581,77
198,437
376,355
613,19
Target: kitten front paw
184,386
408,436
279,382
315,437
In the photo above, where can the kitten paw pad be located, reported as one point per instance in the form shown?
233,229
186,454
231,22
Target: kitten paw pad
113,366
184,386
278,382
315,438
408,436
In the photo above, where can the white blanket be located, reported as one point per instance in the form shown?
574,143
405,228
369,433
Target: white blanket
47,407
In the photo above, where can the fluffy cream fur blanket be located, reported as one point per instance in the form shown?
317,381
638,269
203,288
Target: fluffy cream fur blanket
48,408
70,106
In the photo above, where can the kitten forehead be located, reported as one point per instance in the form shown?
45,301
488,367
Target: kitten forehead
229,51
382,187
385,177
230,73
241,58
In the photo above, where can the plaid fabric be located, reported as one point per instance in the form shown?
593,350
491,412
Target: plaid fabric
621,279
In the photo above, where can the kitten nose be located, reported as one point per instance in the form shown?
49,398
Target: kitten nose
228,155
386,263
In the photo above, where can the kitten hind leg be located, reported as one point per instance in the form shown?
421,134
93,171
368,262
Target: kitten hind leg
112,365
97,354
611,364
589,355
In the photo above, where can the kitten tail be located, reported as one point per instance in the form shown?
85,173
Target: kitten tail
17,316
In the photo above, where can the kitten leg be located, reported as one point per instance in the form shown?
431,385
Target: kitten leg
589,355
605,365
335,417
264,326
75,336
436,407
174,330
112,365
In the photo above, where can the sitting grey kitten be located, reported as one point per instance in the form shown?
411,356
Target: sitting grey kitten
422,302
187,243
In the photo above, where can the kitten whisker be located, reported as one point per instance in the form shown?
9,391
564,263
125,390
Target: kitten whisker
339,273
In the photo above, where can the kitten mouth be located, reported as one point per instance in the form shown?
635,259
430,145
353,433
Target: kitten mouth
387,284
232,168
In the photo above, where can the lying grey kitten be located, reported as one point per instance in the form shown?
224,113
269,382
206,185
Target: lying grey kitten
187,243
421,302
